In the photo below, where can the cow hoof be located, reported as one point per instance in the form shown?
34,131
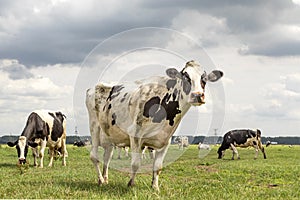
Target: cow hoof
155,187
239,158
105,180
100,182
131,183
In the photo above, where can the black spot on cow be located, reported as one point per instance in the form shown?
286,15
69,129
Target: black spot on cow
124,97
114,118
171,107
171,83
254,143
186,82
151,106
57,129
161,109
109,106
114,92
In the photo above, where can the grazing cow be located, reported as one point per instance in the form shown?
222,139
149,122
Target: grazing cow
241,138
44,128
79,143
203,146
144,113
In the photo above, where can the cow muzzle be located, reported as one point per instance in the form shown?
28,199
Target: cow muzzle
22,161
197,98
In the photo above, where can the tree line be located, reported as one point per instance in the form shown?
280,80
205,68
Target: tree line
192,139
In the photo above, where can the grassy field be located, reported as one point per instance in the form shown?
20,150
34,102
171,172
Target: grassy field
188,177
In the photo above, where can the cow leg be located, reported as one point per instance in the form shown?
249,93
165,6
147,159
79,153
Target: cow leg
157,166
234,151
51,154
262,150
107,155
35,156
64,151
119,152
135,158
94,154
42,150
95,159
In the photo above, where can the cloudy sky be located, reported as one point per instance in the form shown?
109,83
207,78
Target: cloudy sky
51,51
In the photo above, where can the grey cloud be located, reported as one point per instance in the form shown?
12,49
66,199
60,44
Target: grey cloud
61,36
65,38
277,49
16,71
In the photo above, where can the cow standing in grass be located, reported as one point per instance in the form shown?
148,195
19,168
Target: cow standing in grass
145,113
44,128
182,141
241,138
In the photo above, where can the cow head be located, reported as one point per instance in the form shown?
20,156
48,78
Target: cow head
60,116
221,153
194,81
22,148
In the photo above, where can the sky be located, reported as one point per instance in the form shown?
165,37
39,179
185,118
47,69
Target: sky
51,51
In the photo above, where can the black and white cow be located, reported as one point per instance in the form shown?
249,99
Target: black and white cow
143,113
79,143
241,138
44,128
182,141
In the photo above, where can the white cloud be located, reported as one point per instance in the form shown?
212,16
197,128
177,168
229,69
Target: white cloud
49,87
292,83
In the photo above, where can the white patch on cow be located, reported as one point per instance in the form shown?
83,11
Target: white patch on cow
22,144
195,73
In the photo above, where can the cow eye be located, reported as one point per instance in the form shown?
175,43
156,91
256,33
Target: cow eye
203,80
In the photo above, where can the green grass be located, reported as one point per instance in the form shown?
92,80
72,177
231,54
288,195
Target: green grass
185,177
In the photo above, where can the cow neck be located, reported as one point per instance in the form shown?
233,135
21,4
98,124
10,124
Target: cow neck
184,105
27,132
29,129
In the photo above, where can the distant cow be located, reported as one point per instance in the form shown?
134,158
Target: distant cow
241,138
182,141
150,150
79,143
126,151
44,128
143,113
203,146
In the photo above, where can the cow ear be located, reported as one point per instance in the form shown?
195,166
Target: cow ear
173,73
12,144
32,144
214,75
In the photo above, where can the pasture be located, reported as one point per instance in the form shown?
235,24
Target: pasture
189,177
